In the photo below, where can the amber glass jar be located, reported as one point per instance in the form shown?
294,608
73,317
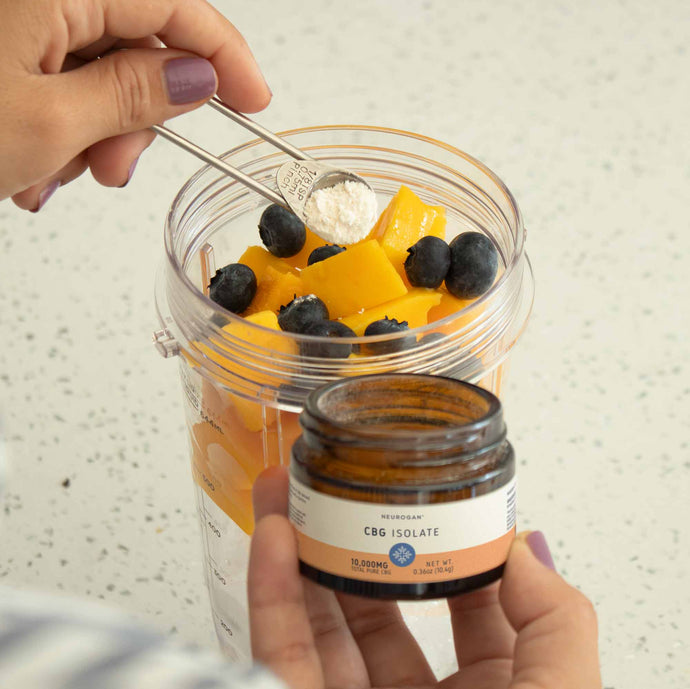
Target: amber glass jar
402,486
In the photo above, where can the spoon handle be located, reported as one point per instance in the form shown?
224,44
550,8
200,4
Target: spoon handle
219,164
257,129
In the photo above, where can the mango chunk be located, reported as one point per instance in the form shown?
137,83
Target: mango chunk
275,289
312,242
446,305
412,307
258,259
243,330
404,222
223,478
227,460
356,279
252,414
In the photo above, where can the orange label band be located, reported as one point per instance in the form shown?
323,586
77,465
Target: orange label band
427,567
399,544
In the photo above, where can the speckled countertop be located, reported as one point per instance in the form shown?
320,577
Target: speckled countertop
582,108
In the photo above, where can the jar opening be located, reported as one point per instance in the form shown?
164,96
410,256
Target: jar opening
405,410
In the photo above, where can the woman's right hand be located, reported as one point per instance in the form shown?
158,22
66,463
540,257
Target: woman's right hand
82,82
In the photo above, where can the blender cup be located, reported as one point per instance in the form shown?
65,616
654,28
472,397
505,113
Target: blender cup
244,385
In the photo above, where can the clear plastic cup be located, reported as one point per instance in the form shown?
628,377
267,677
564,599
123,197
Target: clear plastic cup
244,385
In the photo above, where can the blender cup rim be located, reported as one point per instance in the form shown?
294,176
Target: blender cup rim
516,255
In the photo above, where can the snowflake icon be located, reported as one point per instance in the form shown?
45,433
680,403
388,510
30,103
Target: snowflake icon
402,554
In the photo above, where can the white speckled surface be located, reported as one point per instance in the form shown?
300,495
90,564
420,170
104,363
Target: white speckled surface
582,108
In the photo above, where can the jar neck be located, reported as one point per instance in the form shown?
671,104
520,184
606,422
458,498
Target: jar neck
403,420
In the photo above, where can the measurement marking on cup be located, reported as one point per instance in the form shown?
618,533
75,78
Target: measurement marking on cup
211,522
211,562
219,576
207,481
204,478
216,569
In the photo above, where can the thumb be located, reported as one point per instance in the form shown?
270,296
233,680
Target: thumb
270,492
556,624
130,90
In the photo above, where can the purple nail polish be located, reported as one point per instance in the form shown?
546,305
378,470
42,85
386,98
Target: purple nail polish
46,194
540,549
189,79
132,168
130,172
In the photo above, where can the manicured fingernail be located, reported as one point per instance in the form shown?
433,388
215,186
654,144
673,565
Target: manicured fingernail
189,79
537,544
130,172
46,194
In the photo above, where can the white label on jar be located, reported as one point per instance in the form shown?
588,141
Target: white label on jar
393,543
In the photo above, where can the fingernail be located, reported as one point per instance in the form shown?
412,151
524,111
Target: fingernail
189,79
537,544
268,88
45,195
130,172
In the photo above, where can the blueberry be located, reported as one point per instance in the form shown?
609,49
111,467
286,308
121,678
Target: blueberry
323,252
233,287
469,369
219,320
473,265
282,231
332,349
428,262
430,338
388,326
301,312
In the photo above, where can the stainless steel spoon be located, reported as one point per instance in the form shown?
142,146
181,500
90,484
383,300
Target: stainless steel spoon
296,180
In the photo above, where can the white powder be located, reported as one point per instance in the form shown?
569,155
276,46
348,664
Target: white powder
343,213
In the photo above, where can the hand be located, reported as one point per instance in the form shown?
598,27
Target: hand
64,110
533,631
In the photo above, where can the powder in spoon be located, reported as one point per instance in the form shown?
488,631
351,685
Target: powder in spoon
343,213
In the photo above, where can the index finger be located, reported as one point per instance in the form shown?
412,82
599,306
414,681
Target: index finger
192,25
